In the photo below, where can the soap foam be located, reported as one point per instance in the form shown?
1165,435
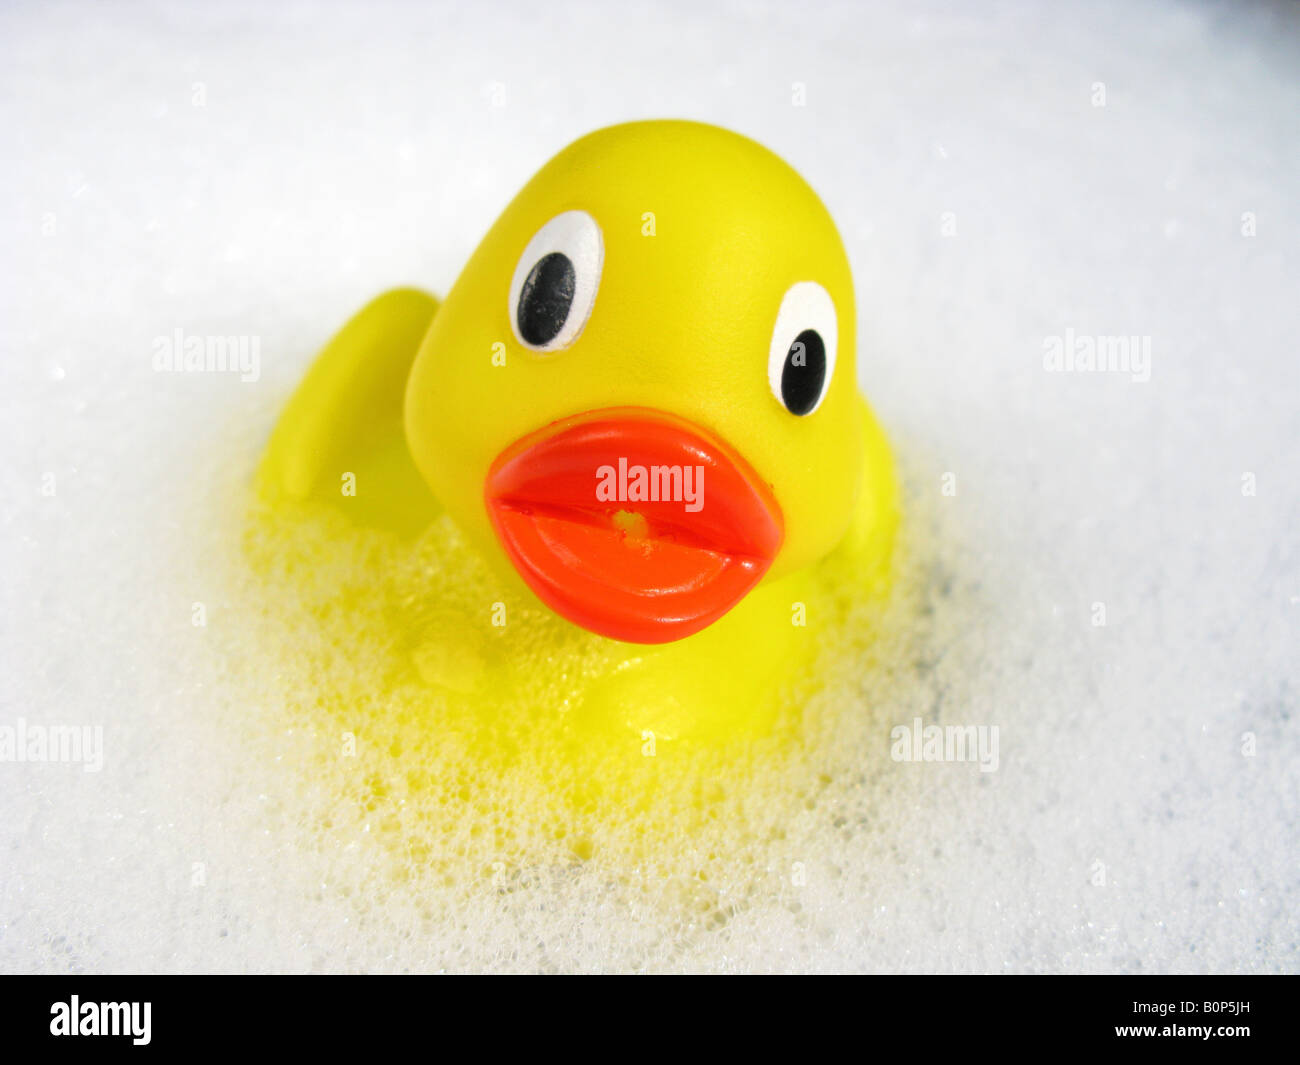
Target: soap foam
451,752
232,176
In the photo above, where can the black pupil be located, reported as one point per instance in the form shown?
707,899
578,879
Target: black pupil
545,299
804,372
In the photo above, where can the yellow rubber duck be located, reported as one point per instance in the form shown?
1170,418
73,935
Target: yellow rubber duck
639,405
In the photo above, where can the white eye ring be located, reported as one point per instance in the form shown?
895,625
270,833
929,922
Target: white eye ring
557,276
806,307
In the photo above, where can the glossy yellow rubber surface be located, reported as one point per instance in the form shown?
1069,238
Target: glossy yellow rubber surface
401,417
682,323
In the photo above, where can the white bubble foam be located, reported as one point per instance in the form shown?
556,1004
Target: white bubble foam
264,176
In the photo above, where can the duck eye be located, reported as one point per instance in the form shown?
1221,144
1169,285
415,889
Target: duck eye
554,285
804,374
545,299
802,357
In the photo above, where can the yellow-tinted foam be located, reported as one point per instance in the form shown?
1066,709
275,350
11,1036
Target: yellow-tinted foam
445,727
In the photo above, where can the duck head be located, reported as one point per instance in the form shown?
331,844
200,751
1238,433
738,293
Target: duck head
640,394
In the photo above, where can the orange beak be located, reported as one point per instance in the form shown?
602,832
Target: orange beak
633,523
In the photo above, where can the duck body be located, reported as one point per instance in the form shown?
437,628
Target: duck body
638,407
